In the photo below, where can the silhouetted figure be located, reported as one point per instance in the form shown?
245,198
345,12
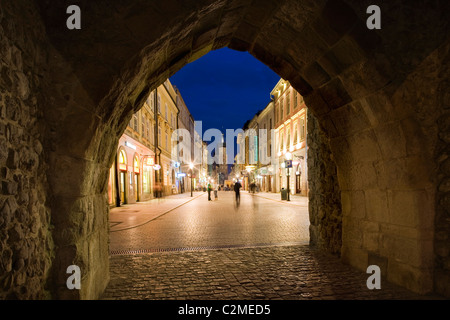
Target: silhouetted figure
216,188
209,191
237,187
158,190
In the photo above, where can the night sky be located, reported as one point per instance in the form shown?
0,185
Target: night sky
225,88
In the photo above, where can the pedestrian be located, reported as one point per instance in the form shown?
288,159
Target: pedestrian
209,191
216,188
237,187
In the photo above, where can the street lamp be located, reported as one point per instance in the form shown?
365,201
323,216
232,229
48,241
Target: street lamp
288,156
191,166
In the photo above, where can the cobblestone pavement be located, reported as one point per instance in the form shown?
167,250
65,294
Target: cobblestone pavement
202,223
135,215
263,273
213,250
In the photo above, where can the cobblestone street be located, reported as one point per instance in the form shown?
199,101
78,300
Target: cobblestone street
191,248
276,272
260,219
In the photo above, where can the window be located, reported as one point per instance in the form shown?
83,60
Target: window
150,101
295,135
281,142
143,126
148,130
159,136
270,124
135,122
282,110
288,142
167,147
159,103
302,128
288,102
295,100
166,115
277,109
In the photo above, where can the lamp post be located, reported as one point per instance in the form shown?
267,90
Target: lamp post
288,157
191,166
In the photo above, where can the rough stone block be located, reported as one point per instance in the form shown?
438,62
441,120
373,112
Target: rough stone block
371,241
355,257
364,146
350,119
351,232
419,280
412,208
316,75
377,205
353,204
391,140
334,94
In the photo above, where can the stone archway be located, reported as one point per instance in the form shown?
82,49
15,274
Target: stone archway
67,96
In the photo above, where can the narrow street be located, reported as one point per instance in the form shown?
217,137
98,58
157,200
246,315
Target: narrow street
197,222
195,249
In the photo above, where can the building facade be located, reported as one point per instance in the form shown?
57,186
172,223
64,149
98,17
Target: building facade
145,166
186,141
265,174
291,143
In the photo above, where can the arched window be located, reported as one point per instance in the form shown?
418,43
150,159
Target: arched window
122,160
136,165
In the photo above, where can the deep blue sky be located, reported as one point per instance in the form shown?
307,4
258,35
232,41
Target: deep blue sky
225,88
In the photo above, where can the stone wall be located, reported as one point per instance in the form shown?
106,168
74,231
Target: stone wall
325,212
26,245
66,97
442,221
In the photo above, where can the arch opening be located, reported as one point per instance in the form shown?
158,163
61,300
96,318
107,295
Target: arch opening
375,120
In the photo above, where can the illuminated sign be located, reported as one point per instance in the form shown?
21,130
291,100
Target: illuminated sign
150,161
129,145
157,167
181,175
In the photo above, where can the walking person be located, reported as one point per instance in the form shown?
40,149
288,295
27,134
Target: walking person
209,191
237,187
216,188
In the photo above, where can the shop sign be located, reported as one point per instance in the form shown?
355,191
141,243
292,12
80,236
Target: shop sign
129,145
157,167
150,161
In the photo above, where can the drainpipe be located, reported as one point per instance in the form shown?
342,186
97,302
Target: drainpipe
157,154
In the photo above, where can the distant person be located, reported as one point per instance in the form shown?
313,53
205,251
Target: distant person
158,190
216,188
209,191
252,187
237,187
